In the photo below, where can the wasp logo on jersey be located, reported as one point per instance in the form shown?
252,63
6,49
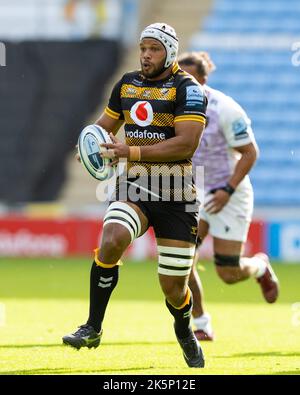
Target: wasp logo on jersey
131,91
142,113
147,94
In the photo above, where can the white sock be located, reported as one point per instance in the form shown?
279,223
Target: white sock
204,323
254,262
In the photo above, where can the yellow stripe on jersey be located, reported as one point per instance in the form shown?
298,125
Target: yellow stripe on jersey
129,91
111,113
191,117
175,68
159,119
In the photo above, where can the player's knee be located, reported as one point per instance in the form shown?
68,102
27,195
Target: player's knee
175,298
122,221
112,246
174,269
173,291
169,289
227,276
227,267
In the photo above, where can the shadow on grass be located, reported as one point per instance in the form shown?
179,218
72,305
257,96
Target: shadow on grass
262,354
146,343
69,371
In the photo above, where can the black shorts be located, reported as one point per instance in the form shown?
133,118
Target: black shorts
170,220
176,220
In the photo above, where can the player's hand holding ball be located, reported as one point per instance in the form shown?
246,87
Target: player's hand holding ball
115,150
90,152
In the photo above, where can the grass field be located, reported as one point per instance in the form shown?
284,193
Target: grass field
41,300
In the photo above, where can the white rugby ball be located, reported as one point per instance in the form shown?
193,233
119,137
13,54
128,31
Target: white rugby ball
89,150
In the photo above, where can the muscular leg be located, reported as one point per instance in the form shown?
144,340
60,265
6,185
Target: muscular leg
122,223
194,279
201,319
230,267
105,270
103,280
175,261
175,287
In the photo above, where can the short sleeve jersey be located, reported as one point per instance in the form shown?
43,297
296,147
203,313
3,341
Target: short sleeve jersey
228,126
151,110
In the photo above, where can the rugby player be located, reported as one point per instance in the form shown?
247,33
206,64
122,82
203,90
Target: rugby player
227,151
164,113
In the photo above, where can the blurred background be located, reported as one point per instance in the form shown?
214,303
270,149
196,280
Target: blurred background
58,62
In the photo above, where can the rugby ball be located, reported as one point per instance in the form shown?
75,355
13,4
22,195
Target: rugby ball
89,150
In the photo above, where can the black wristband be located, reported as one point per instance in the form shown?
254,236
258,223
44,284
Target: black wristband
228,188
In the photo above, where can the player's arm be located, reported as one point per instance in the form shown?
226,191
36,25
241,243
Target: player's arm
111,125
181,146
249,155
189,122
112,117
238,132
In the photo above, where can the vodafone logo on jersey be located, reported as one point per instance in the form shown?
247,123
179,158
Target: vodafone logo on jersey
142,113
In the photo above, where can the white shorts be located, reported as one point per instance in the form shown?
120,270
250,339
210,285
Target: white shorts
233,221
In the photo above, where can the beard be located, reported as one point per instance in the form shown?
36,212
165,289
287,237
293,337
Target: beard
153,71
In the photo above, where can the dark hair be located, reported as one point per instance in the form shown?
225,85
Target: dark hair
201,60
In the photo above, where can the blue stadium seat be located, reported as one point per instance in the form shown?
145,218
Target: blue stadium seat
256,16
266,83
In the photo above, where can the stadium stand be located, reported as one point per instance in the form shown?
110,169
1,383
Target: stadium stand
59,56
251,47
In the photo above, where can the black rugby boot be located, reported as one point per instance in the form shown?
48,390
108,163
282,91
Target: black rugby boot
85,336
192,351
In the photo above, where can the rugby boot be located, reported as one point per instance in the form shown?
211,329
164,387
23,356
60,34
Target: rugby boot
85,336
202,327
192,351
268,281
201,335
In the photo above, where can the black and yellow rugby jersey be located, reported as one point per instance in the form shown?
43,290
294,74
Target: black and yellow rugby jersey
151,110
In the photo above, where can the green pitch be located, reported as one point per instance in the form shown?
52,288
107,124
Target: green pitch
41,300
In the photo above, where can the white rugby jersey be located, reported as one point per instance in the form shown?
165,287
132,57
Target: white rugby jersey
227,127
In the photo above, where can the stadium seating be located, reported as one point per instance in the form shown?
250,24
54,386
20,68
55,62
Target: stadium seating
60,56
264,81
268,16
